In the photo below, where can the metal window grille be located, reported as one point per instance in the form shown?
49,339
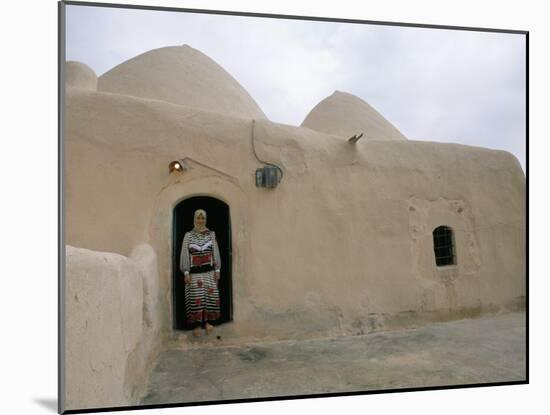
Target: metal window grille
444,246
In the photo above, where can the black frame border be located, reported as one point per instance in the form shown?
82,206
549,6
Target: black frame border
61,210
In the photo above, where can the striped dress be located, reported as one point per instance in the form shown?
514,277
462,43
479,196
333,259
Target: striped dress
200,256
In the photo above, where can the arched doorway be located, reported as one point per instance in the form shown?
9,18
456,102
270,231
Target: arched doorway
218,220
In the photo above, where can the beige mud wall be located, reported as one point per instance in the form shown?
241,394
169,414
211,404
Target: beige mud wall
112,330
343,245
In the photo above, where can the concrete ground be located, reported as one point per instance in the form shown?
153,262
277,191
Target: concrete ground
488,349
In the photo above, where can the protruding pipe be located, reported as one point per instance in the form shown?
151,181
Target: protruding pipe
355,138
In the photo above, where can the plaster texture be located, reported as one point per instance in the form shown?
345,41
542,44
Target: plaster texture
81,76
112,338
346,115
181,75
342,246
344,240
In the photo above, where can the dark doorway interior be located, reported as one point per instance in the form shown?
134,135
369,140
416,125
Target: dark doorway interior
218,220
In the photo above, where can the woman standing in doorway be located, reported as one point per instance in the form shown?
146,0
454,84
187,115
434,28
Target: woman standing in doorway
200,263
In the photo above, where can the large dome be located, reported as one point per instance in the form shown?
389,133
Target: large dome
181,75
346,115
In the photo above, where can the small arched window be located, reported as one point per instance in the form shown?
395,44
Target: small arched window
444,246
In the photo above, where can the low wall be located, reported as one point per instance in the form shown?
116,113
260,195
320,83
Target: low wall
112,326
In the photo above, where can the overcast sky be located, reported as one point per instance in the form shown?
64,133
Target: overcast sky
432,84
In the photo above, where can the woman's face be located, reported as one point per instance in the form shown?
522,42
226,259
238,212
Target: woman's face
200,221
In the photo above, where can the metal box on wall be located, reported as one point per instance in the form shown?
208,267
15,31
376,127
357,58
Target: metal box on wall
267,176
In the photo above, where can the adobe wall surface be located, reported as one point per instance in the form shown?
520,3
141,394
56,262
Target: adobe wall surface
343,245
112,334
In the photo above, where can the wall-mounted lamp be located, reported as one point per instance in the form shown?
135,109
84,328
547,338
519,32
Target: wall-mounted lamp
177,165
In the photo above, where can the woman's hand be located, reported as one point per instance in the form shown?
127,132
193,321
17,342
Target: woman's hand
217,275
188,279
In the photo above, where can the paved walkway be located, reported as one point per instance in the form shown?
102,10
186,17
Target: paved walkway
488,349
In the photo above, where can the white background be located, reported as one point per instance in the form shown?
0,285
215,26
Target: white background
28,219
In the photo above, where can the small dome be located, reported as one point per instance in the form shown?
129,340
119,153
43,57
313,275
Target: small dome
346,115
79,75
181,75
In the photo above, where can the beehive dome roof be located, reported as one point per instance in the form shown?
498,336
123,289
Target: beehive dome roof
79,75
346,115
181,75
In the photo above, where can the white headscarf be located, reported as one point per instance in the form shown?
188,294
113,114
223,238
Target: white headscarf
195,216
